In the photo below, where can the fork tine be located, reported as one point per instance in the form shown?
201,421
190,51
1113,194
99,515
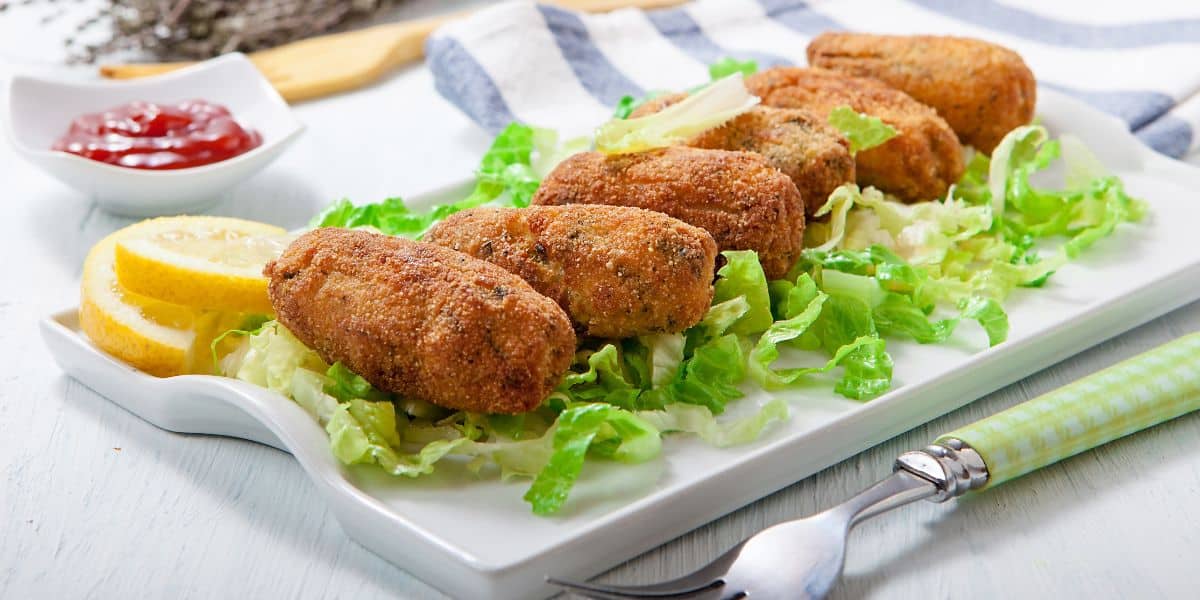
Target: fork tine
693,585
678,588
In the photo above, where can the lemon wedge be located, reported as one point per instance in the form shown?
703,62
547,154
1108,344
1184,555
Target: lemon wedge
153,336
212,263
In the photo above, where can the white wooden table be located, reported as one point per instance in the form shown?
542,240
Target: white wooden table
97,503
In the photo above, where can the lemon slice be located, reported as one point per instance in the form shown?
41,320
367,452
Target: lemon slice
211,263
153,336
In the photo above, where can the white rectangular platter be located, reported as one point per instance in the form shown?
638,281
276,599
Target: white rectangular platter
475,538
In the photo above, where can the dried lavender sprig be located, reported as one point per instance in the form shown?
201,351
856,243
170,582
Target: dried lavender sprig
199,29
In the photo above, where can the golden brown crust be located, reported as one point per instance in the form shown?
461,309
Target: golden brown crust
920,163
421,320
799,143
738,197
617,271
982,90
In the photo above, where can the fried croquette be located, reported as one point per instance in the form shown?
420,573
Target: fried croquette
617,271
421,320
920,163
796,141
982,90
738,197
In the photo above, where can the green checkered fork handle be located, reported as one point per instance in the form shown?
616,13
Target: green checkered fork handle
1141,392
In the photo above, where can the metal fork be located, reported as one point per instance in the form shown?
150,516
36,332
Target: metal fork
803,558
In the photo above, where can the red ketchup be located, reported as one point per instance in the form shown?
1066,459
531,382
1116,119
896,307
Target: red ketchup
145,135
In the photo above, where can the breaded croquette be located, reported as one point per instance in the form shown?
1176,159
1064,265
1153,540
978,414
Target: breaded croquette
798,142
421,320
982,90
738,197
617,271
920,163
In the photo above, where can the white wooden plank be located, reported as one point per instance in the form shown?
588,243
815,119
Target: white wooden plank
192,516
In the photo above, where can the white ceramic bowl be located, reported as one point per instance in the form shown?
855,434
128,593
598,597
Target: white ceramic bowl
40,111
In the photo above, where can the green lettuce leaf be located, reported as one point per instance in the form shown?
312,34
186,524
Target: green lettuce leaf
838,204
841,325
720,317
728,65
271,357
698,420
664,356
710,376
862,131
846,331
576,429
250,325
867,368
1017,156
626,105
654,371
604,380
345,385
366,432
308,390
742,276
990,316
897,315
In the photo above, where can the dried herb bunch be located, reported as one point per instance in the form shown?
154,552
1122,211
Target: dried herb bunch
198,29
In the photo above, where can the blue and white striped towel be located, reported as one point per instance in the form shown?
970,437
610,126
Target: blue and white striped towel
556,68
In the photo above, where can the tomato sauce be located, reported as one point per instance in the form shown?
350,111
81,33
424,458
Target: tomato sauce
145,135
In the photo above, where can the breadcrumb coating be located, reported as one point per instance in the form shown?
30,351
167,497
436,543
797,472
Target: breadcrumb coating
421,320
738,197
617,271
798,142
981,89
920,163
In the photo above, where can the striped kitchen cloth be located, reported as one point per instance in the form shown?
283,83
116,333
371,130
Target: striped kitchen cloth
551,67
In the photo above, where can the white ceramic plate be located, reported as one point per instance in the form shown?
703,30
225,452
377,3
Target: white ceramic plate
476,538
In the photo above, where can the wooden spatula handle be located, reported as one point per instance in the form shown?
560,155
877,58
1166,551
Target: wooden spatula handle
135,70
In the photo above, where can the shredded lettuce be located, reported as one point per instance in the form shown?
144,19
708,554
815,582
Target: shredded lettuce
703,110
594,415
628,439
844,328
862,131
710,376
700,421
665,355
603,381
982,241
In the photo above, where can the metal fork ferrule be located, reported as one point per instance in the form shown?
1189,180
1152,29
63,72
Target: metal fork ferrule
951,465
